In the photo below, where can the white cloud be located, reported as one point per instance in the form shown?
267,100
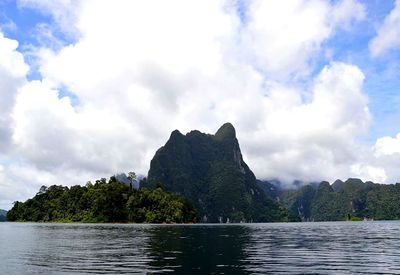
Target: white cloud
311,140
170,37
284,37
52,134
370,173
12,76
20,180
346,13
380,162
140,69
144,64
388,36
387,146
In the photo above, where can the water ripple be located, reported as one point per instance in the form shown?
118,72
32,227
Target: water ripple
291,248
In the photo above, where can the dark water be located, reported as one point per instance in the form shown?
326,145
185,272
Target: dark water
294,248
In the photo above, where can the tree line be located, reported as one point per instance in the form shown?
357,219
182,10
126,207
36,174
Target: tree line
103,201
349,200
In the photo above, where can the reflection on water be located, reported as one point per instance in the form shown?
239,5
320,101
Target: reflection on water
207,249
293,248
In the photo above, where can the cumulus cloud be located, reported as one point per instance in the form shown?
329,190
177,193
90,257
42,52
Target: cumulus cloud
388,145
385,156
12,76
140,69
388,36
52,134
20,180
285,37
316,139
156,69
380,162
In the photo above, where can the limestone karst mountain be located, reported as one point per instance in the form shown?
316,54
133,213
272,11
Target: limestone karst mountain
210,171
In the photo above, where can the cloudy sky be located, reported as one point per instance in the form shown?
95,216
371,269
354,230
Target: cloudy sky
92,88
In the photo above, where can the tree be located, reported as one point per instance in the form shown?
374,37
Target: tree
131,177
104,201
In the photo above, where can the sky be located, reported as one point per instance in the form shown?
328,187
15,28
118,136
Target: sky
93,88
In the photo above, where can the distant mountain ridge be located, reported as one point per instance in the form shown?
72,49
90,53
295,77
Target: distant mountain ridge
3,215
349,200
210,171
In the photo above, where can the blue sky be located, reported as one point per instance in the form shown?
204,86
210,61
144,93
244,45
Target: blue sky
312,87
20,22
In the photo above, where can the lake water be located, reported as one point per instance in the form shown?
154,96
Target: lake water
285,248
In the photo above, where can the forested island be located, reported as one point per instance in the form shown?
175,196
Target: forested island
103,201
200,177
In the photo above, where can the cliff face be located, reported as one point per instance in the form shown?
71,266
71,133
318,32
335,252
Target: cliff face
210,171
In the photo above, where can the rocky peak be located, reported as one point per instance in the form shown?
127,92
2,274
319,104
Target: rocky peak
210,171
175,134
226,131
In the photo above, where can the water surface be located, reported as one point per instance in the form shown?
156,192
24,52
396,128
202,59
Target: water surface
281,248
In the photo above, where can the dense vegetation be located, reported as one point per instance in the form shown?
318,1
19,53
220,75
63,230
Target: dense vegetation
210,171
209,182
103,201
349,200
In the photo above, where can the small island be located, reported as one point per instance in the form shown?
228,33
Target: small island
104,201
